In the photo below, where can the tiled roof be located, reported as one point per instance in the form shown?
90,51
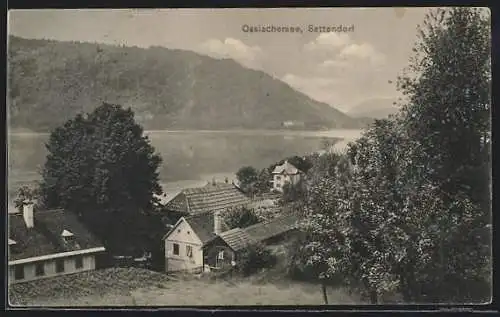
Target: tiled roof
203,225
271,228
217,197
236,238
45,237
286,168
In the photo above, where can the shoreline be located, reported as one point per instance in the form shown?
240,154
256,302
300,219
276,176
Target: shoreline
333,133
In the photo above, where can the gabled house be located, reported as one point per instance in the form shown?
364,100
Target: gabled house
210,198
222,251
48,243
184,243
285,173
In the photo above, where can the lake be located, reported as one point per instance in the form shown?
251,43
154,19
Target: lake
190,158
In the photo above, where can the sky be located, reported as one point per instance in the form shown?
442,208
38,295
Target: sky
350,65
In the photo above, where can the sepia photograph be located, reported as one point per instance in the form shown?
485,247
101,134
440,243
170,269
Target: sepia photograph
248,157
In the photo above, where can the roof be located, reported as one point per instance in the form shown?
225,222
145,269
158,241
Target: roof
45,237
286,168
236,238
66,233
202,225
211,198
164,198
271,228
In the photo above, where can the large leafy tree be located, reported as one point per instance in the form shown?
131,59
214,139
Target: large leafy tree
247,177
447,118
411,214
102,167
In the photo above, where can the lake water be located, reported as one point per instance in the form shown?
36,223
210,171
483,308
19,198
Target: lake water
190,158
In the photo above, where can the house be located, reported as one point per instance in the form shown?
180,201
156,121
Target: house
185,242
285,173
292,123
210,198
48,243
222,251
273,231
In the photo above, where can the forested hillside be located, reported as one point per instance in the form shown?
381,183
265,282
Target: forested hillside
51,81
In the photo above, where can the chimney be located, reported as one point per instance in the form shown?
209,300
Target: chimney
217,222
28,213
213,181
226,180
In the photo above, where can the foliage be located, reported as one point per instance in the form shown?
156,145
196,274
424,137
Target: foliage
247,176
447,118
102,167
294,192
254,258
166,88
27,192
263,183
407,209
241,218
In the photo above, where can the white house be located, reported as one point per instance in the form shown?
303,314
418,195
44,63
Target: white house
184,243
48,243
285,173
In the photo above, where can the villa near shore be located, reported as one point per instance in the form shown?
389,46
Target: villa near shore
284,174
46,243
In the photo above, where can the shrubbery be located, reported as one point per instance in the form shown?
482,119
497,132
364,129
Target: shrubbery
241,218
255,258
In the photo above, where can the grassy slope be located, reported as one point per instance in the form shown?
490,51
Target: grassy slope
130,287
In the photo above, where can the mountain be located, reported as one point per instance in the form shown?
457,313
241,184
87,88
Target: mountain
376,108
51,81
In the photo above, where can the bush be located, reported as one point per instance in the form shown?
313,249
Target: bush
241,218
255,258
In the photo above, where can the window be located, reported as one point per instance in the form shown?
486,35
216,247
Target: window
78,262
60,266
189,251
278,185
278,178
19,272
220,256
176,249
39,269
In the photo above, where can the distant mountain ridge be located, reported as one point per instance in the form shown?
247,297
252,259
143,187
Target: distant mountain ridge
50,81
376,108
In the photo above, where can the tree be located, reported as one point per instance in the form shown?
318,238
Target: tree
294,192
253,258
26,192
302,163
447,118
241,218
263,183
247,176
409,209
102,167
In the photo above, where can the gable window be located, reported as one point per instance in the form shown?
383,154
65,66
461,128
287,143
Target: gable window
78,262
189,251
176,248
19,272
60,266
39,269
